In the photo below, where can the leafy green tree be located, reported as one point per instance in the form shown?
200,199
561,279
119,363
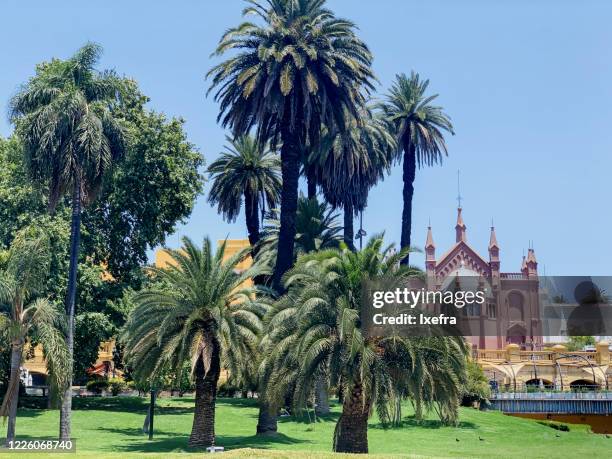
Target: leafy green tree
28,316
300,68
578,343
142,199
207,315
476,387
315,329
348,164
153,188
70,141
419,129
245,171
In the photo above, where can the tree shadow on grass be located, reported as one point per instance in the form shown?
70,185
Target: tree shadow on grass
411,421
29,413
176,442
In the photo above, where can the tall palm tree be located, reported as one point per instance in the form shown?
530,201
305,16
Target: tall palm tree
206,314
70,142
419,130
348,164
21,280
245,171
315,328
299,69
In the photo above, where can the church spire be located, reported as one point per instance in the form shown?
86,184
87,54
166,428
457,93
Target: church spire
493,239
429,242
460,227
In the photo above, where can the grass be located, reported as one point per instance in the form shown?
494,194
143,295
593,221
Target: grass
111,427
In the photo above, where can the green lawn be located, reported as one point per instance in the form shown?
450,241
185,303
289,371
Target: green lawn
106,427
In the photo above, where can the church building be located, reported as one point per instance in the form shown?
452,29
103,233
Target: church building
510,313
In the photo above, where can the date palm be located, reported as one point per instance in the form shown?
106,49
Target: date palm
419,129
203,311
349,163
299,68
70,141
315,329
26,315
245,172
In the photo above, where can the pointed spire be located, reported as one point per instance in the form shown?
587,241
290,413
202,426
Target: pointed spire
493,239
531,256
460,227
524,263
429,242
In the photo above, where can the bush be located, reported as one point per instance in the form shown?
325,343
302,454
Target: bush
555,425
476,389
97,385
116,386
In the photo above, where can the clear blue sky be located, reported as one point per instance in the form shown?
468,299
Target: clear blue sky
528,85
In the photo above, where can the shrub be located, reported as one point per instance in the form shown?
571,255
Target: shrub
116,386
97,385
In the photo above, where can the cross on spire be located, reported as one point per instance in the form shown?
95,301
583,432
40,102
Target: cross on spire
459,198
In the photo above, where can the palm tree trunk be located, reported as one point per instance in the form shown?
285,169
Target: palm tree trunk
251,210
203,428
321,397
11,398
311,181
75,237
409,164
351,434
349,235
290,171
266,420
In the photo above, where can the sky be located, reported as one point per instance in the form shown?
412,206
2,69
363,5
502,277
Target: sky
526,83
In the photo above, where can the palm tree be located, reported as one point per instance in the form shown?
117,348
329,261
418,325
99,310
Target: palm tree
315,329
419,130
206,314
70,142
316,226
27,315
302,68
347,164
245,171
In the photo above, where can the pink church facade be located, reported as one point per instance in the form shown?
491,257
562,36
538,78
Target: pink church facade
511,312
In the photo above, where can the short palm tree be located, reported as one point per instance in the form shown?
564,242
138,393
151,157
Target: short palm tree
70,142
419,129
298,70
245,171
348,164
315,329
316,225
27,316
204,313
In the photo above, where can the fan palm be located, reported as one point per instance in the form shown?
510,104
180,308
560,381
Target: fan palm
419,129
70,141
299,69
27,315
245,171
315,329
206,313
347,164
